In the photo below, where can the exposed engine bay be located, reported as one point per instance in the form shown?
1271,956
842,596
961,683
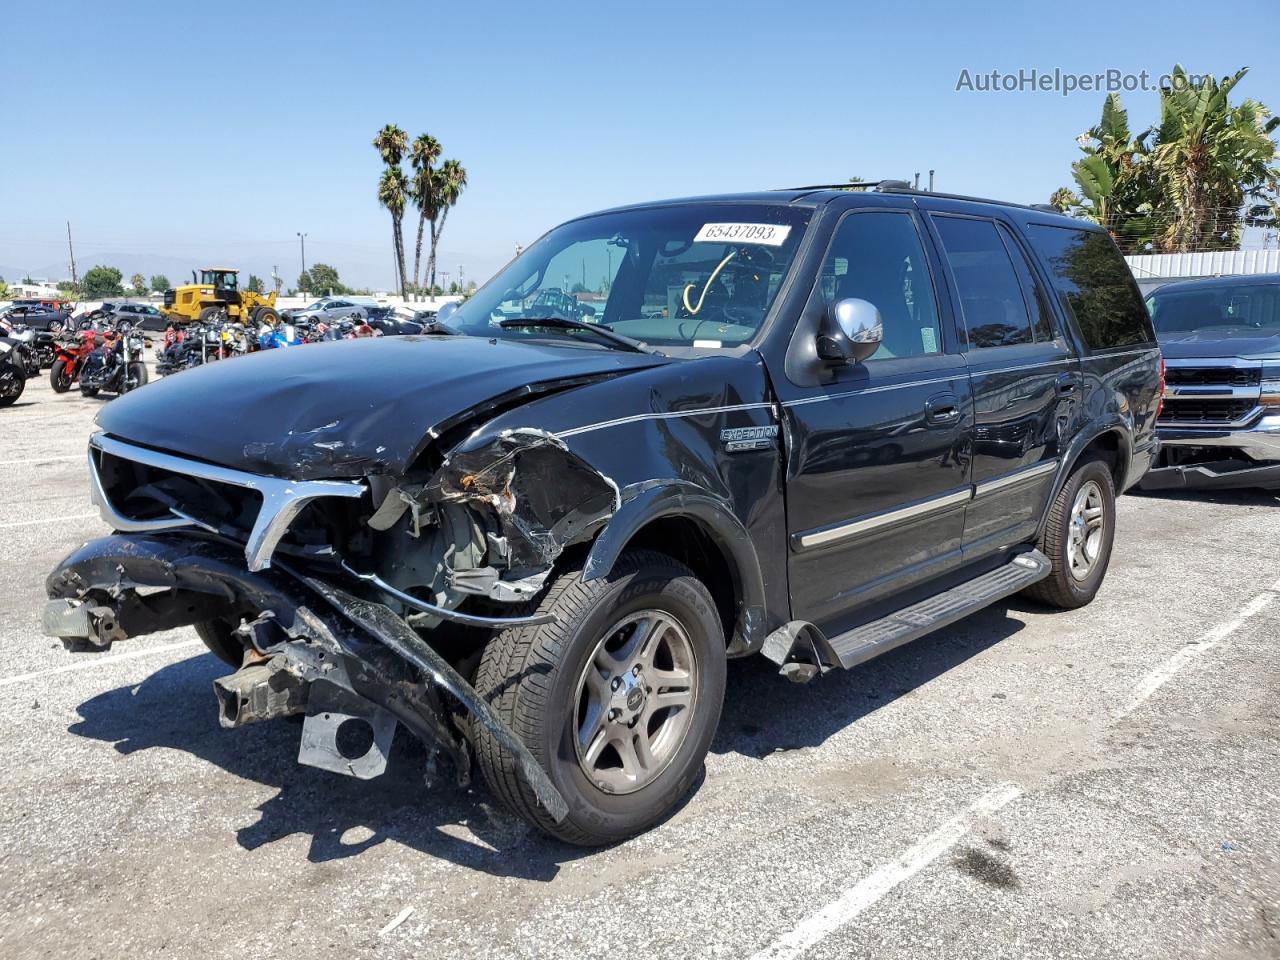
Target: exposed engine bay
324,592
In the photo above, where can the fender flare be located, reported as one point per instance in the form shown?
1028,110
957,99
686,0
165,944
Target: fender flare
1067,463
680,498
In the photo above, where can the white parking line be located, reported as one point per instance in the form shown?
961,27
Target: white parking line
868,891
98,660
30,523
15,463
1158,677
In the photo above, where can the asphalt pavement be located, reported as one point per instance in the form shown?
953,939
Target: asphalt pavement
1026,783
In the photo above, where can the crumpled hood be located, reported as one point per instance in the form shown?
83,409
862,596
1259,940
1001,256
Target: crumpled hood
1214,344
345,409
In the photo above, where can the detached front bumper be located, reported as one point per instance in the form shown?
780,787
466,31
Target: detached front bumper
345,657
1225,458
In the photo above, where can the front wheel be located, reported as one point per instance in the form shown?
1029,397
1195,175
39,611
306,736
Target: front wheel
60,376
12,383
1077,538
135,376
618,699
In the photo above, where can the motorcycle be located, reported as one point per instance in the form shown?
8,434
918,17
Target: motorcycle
13,375
116,366
70,352
178,351
273,336
26,345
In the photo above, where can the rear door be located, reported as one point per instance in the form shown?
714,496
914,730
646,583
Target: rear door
1024,375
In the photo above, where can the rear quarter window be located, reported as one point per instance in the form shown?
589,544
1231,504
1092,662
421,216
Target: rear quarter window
1095,286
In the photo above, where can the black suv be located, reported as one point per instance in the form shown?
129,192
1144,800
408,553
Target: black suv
1220,425
812,424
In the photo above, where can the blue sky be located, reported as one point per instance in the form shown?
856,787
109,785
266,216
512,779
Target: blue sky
187,133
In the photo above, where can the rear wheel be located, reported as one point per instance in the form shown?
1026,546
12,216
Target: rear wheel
209,314
618,699
265,315
1077,538
60,376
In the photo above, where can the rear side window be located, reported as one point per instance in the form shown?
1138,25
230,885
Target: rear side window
1095,286
991,298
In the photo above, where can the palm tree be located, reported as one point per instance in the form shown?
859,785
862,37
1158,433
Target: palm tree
392,194
391,143
1115,178
425,152
1211,157
450,181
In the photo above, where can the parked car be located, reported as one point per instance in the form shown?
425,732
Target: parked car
389,323
1220,426
327,309
533,539
140,316
37,316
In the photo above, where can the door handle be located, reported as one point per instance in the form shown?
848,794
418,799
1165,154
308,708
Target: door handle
942,409
1066,384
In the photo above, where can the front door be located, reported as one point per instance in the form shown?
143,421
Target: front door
877,478
1025,378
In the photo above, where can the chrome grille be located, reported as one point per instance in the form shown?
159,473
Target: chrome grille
1213,376
1198,410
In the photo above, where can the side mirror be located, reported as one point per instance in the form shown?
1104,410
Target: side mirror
851,332
448,310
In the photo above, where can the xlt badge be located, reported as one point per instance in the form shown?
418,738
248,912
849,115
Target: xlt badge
738,439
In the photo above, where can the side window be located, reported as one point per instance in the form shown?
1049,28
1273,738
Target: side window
877,256
1095,285
1032,289
995,312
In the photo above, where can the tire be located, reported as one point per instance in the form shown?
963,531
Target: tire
12,398
59,378
217,636
137,372
1065,587
208,314
265,315
537,680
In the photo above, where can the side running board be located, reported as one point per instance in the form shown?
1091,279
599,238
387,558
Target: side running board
872,639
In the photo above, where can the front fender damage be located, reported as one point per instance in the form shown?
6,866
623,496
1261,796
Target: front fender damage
356,657
532,495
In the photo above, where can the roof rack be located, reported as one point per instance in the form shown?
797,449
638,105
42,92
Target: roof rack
880,185
902,186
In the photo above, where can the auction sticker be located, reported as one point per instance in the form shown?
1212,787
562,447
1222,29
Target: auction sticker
768,234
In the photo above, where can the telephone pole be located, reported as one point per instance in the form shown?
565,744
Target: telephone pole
75,283
302,240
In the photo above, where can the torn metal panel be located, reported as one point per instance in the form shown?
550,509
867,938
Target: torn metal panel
541,495
378,621
358,645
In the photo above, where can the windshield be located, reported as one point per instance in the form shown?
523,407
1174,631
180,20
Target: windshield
221,279
696,275
1244,310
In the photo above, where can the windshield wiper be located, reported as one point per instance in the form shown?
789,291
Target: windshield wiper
602,330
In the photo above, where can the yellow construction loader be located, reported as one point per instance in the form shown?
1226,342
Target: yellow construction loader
218,292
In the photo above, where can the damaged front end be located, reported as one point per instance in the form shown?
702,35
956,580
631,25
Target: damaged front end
362,604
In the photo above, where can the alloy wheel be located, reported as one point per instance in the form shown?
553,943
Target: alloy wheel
1086,530
635,700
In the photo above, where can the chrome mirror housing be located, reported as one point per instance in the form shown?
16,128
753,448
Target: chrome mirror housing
852,332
